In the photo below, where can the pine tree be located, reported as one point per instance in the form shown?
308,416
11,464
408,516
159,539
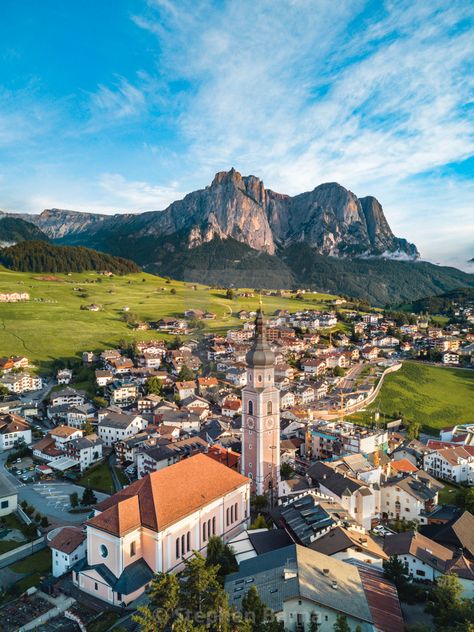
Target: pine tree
341,624
74,499
88,497
396,571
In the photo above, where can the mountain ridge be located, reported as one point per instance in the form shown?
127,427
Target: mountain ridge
237,232
330,218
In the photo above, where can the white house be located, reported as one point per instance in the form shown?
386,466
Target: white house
425,558
67,548
64,376
114,427
409,497
68,396
21,382
454,463
13,428
123,394
302,586
85,450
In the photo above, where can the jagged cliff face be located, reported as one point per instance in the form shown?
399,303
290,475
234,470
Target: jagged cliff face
330,219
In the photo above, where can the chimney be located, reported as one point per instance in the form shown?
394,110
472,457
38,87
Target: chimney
334,584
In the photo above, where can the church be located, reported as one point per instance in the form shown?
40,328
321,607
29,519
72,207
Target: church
261,417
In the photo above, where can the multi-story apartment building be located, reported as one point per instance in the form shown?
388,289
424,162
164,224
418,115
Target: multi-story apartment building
453,463
21,382
336,438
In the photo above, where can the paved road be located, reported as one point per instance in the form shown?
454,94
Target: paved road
52,499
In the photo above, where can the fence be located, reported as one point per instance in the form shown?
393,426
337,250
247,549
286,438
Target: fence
22,551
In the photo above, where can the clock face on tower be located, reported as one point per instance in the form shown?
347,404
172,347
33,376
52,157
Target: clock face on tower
269,423
250,423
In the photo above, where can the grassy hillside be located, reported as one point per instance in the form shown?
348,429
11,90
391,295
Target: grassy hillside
434,396
52,325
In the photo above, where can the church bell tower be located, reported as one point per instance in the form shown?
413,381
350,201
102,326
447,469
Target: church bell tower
261,417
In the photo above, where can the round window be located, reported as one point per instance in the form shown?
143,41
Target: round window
103,550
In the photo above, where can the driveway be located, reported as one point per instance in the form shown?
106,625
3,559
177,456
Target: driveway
52,499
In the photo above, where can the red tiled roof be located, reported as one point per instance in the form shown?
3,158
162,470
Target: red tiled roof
403,465
162,498
68,539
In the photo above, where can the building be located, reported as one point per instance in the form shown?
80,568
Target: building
451,463
301,585
425,558
13,428
114,427
67,396
67,548
261,416
21,382
8,496
122,394
167,453
359,499
331,439
64,376
450,358
85,450
157,522
409,497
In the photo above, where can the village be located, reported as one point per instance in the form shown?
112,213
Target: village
126,462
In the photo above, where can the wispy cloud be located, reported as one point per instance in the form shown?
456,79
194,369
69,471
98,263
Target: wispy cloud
121,100
305,92
139,195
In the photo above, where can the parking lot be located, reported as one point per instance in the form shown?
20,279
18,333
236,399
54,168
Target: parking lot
52,500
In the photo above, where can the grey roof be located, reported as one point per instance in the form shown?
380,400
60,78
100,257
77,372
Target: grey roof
116,420
415,486
306,518
265,541
311,575
133,577
324,475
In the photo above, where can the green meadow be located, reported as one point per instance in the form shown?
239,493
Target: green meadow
434,396
51,324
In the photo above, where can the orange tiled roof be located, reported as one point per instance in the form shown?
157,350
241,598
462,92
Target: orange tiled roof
403,465
162,498
68,539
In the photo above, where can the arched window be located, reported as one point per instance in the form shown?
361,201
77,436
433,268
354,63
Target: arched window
232,514
204,531
235,512
227,516
250,408
188,541
214,526
183,544
177,548
269,408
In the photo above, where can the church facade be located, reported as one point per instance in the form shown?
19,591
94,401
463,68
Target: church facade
261,417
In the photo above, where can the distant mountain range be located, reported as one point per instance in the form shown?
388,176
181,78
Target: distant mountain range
14,230
236,231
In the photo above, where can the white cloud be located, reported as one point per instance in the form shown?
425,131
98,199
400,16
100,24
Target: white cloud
306,92
139,195
122,100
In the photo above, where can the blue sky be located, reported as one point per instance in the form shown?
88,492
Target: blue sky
126,105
